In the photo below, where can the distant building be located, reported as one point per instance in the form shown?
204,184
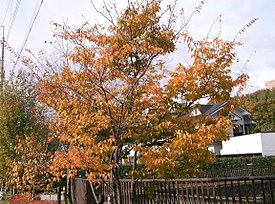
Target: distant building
241,141
240,119
270,84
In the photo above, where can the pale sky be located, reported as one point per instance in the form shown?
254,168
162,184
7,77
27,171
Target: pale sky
259,40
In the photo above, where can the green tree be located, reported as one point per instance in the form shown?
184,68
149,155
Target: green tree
23,133
261,105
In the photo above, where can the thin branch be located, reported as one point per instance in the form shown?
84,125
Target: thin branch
110,19
212,26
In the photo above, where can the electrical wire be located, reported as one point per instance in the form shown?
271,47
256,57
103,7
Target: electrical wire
35,15
6,12
13,18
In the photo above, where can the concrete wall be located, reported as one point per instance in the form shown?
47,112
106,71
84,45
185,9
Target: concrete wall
245,144
263,143
268,142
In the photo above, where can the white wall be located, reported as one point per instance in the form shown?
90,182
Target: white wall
245,144
268,142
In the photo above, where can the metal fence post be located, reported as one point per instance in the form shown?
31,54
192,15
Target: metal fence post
58,195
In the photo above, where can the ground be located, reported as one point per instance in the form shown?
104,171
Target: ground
24,199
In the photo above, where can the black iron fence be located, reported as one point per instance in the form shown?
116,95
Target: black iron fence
259,189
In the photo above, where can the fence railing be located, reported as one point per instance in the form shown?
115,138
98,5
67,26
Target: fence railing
239,172
260,189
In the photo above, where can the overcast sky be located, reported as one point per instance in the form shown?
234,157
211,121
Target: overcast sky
259,40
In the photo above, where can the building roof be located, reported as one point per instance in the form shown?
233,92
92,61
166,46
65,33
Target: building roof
211,109
238,113
270,84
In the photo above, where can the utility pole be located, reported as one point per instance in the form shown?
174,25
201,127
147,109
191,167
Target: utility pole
2,62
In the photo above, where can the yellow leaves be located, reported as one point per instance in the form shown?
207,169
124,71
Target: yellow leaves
167,126
76,158
29,167
209,76
189,146
119,95
187,38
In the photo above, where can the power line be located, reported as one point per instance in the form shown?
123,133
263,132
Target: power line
13,18
7,9
35,15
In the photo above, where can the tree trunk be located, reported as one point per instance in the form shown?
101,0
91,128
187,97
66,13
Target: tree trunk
133,182
116,186
68,193
115,178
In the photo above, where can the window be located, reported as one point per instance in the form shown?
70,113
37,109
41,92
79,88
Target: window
238,130
247,129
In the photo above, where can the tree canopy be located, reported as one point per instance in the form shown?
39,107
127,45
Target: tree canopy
261,105
23,134
115,97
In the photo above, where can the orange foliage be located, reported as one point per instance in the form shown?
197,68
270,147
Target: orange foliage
29,168
119,97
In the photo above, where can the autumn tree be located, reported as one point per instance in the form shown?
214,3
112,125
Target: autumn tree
261,105
23,147
118,97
